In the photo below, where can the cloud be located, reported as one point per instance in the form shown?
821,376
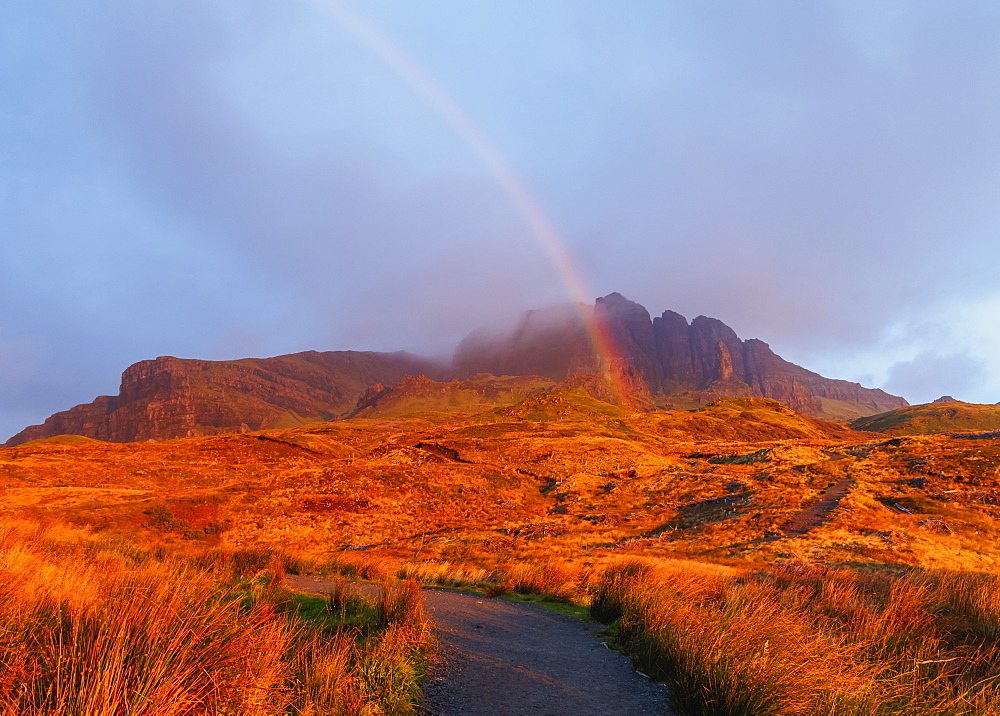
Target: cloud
937,374
791,164
950,348
327,226
209,179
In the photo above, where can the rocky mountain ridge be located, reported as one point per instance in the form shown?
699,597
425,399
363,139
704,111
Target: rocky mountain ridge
613,350
172,397
679,364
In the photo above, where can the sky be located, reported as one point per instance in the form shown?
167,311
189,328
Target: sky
217,179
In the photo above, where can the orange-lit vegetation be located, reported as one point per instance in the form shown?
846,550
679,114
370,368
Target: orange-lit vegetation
558,476
720,503
804,639
91,626
931,418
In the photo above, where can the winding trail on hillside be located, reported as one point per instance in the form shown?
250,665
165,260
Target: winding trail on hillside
813,517
501,658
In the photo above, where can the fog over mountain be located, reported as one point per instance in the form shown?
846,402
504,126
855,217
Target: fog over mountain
215,180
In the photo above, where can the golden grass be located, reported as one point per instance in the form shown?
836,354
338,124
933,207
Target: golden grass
446,573
539,500
810,640
603,480
559,581
89,628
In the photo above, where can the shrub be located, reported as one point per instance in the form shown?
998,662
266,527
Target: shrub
400,602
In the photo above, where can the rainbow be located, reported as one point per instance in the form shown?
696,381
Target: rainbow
552,244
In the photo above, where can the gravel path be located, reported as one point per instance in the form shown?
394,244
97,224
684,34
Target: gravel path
499,658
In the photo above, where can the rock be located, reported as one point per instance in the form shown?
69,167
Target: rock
614,350
370,397
672,337
629,330
701,361
172,397
724,362
947,399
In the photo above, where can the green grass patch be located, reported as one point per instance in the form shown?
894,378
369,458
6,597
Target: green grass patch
357,612
577,611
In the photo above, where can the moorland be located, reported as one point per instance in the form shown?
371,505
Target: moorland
755,559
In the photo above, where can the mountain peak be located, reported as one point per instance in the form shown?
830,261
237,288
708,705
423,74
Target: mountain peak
644,363
613,296
697,362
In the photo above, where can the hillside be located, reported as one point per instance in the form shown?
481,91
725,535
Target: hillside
415,394
933,418
558,475
746,419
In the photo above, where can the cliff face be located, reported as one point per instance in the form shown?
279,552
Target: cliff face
172,397
677,363
644,363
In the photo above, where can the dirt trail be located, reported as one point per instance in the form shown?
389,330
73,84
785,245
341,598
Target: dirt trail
504,658
814,516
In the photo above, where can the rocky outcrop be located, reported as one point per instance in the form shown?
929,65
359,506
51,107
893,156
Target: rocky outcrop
697,361
614,350
371,396
629,330
172,397
672,336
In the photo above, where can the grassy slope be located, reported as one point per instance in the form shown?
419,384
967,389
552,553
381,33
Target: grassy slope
804,639
94,625
515,494
63,440
559,475
460,397
933,418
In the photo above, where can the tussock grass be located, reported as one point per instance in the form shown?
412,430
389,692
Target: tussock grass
445,573
400,602
809,640
336,598
609,599
248,562
555,580
360,566
89,628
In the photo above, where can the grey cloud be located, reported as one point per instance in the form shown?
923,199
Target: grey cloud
931,374
845,185
209,179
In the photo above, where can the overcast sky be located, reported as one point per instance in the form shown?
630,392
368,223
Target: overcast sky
220,179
